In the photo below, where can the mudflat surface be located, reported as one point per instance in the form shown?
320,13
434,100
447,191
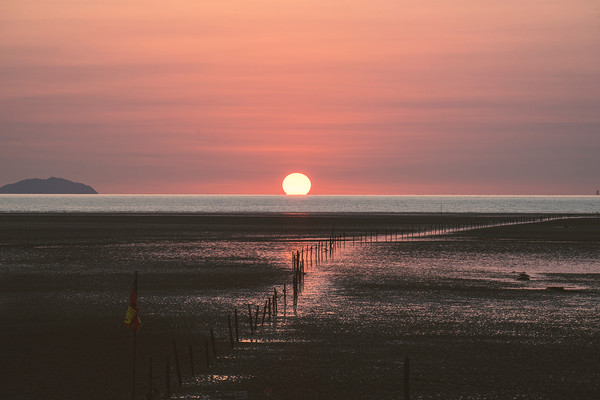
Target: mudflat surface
449,302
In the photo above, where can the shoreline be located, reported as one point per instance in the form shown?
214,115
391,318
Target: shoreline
293,213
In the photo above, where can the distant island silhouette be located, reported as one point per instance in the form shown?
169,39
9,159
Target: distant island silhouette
47,186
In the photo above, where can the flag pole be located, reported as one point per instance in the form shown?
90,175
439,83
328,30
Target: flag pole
134,340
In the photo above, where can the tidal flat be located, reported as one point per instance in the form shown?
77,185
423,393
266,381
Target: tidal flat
451,302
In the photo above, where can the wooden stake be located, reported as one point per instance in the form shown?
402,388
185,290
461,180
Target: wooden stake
214,345
264,313
250,319
406,377
207,353
269,303
177,369
150,386
284,300
168,377
135,278
134,357
237,337
256,317
230,330
192,360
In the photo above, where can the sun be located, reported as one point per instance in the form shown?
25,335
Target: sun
296,184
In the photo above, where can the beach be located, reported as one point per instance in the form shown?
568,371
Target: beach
451,303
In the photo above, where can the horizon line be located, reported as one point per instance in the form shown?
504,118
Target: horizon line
299,196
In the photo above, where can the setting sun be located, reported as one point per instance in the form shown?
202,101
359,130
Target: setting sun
296,184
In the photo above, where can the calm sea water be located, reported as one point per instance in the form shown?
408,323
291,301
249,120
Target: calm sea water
300,204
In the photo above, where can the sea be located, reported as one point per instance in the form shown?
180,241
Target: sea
160,203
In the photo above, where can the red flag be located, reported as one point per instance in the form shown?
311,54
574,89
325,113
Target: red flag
132,321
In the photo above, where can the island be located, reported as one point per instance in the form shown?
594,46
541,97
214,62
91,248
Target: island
47,186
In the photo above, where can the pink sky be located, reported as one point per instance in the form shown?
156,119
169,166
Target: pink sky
378,97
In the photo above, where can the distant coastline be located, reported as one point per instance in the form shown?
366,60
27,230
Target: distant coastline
51,185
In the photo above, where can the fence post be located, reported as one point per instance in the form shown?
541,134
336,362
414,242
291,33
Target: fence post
230,330
268,302
250,319
406,377
177,369
235,317
192,360
168,377
284,300
264,314
150,386
212,339
207,353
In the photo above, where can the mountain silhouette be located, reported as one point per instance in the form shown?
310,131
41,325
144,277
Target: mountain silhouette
47,186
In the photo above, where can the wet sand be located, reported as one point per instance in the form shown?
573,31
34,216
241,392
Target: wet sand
66,278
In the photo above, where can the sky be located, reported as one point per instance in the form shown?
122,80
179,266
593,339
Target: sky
364,97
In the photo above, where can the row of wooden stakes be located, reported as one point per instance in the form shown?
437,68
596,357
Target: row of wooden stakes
323,250
255,320
302,259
